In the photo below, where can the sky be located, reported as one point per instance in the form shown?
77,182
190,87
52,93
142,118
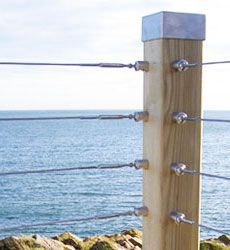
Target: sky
94,31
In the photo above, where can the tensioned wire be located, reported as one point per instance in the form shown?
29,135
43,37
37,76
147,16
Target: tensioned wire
99,217
194,119
97,117
206,227
213,229
69,221
102,117
180,218
190,222
194,172
101,166
190,65
103,65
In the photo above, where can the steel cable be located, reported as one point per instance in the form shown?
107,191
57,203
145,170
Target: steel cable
98,117
213,229
188,171
138,65
180,168
183,65
136,116
103,65
217,62
190,65
194,119
179,218
182,117
136,211
101,166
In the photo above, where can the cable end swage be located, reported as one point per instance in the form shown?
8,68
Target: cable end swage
141,65
141,116
141,164
141,211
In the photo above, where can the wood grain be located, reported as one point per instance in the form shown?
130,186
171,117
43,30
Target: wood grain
167,91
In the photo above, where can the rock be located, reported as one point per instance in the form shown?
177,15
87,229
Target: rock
71,240
136,241
137,248
126,240
221,243
132,232
225,239
32,242
99,243
102,245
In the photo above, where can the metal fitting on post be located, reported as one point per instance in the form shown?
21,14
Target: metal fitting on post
182,65
141,164
178,168
141,65
179,117
180,218
141,116
141,211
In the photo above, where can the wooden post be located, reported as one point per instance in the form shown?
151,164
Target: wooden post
168,37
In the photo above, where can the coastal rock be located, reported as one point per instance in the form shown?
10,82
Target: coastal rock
126,240
70,240
221,243
32,242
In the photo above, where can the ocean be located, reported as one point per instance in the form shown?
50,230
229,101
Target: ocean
45,197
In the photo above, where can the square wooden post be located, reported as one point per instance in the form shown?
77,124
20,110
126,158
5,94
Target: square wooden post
168,37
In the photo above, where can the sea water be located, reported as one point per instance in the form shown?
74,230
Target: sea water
34,198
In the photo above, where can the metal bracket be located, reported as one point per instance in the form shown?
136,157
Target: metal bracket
141,65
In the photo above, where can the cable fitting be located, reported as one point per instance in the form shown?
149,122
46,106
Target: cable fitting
141,164
182,65
141,116
141,211
178,168
141,65
179,117
179,218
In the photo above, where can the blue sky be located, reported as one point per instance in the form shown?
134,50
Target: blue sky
95,31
